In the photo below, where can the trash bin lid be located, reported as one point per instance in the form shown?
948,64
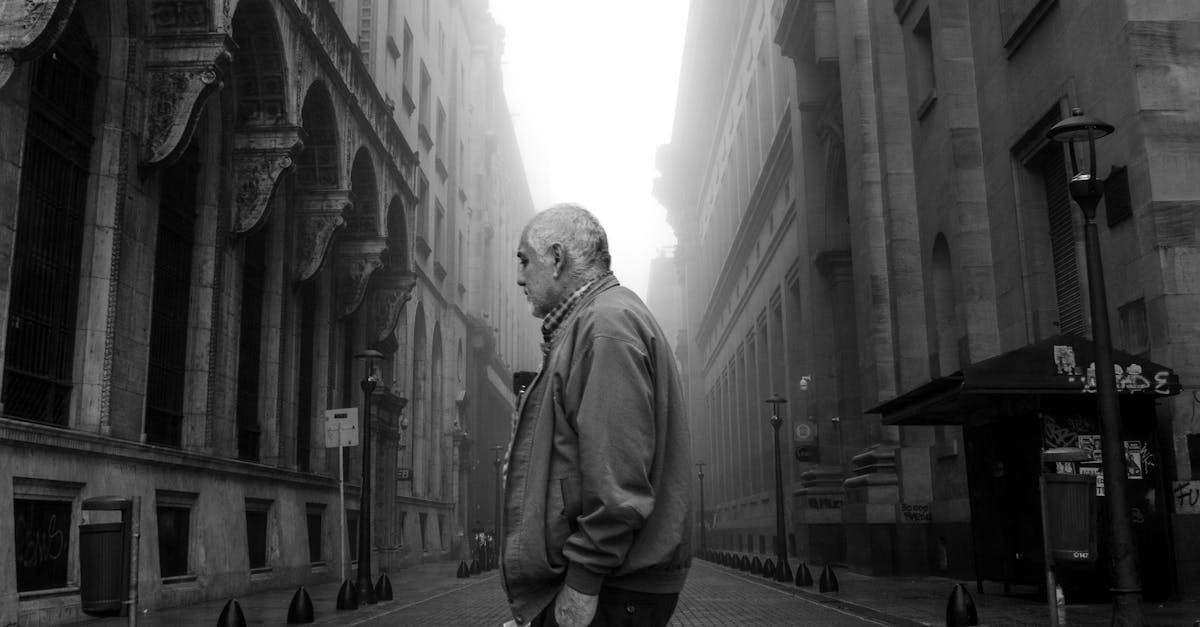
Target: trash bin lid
106,502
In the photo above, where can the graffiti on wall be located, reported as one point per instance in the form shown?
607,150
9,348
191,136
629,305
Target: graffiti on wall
1186,495
1129,378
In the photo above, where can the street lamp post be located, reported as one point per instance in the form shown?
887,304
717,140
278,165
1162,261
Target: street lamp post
499,459
703,542
1087,191
365,590
783,571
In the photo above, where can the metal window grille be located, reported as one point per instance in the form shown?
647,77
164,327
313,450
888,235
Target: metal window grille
249,350
258,66
317,165
45,267
167,370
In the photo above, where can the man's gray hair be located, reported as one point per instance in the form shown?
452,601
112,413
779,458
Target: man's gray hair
578,231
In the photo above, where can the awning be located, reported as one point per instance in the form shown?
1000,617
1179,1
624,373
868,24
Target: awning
1060,365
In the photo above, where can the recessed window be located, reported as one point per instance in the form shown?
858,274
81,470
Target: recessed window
924,82
173,529
315,518
257,519
43,534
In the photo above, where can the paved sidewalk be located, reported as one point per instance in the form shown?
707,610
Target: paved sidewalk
431,592
923,600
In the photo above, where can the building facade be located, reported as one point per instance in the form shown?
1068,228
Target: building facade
219,206
925,235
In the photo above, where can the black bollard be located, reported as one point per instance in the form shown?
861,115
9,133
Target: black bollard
783,571
803,576
960,610
475,569
756,566
300,610
744,565
828,580
347,598
383,588
768,569
232,615
463,571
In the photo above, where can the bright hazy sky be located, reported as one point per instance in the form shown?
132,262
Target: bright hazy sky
591,86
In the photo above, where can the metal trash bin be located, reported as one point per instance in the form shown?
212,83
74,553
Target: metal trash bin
104,559
1071,517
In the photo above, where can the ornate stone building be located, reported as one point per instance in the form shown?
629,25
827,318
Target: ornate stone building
884,236
216,206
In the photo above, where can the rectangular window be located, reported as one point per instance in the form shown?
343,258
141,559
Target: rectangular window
1135,334
423,200
306,375
423,111
168,361
406,57
400,519
439,225
254,271
442,531
424,524
173,527
315,518
43,533
352,534
923,81
257,512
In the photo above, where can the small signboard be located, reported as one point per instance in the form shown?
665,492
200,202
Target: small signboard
404,474
341,427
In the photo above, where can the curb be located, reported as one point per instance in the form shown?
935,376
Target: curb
825,599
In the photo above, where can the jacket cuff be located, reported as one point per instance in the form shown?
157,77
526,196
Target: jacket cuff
583,580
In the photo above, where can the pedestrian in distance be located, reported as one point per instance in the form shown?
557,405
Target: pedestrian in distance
597,474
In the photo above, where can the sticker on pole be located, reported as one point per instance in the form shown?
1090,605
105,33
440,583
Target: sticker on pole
341,427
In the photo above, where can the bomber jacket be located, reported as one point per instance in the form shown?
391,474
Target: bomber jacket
597,485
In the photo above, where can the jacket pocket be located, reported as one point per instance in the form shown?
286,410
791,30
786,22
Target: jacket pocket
562,512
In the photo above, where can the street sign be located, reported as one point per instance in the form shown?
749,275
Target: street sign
404,474
803,432
341,427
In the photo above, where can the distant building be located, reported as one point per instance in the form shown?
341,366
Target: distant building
664,296
215,208
871,223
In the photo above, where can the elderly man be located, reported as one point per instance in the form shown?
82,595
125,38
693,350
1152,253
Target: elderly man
597,476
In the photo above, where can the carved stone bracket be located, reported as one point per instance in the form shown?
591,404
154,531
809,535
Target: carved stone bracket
28,29
392,288
182,70
260,155
318,216
354,260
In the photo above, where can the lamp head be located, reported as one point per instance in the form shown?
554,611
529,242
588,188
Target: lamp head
1079,128
1086,189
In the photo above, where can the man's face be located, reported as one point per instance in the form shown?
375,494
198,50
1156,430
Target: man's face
535,273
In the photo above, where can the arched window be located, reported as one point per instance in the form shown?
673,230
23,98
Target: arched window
362,193
258,66
317,166
40,348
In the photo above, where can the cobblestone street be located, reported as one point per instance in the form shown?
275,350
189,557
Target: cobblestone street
713,596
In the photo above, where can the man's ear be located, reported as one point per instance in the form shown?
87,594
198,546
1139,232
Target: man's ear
560,258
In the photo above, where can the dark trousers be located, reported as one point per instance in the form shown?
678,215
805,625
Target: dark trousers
624,608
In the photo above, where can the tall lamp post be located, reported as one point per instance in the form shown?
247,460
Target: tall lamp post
703,542
1087,191
783,571
497,461
365,590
